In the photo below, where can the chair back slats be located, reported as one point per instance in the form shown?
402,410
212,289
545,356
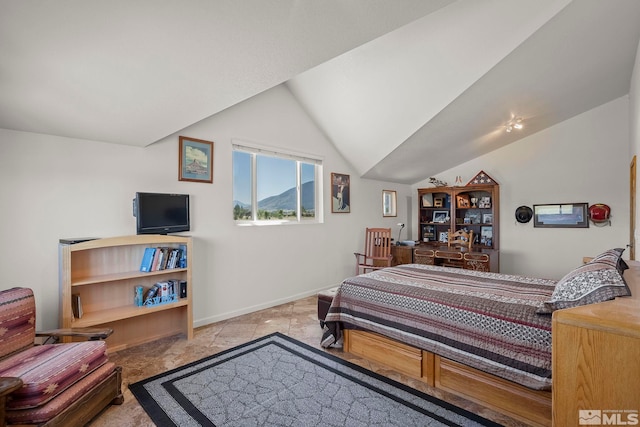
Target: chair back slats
17,320
378,242
460,238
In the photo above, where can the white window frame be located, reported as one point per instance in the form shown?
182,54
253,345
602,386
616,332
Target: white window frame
256,150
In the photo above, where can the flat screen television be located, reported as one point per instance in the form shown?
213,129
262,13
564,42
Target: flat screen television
161,213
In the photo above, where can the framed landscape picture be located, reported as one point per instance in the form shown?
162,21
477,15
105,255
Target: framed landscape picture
562,215
195,160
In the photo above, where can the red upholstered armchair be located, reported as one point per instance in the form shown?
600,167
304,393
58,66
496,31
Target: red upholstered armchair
50,384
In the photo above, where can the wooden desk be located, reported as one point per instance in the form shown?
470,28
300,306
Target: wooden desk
478,259
402,254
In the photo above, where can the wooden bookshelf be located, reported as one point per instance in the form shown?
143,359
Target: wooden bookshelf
105,272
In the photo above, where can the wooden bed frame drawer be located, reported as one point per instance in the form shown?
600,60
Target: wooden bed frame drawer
400,357
532,406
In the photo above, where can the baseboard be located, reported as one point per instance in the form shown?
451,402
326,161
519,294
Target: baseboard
231,314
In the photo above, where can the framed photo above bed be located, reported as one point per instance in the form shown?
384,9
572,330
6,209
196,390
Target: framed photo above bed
561,215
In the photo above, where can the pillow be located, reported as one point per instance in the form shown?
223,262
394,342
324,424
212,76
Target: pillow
598,280
613,257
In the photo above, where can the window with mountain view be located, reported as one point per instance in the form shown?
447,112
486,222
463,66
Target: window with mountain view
275,187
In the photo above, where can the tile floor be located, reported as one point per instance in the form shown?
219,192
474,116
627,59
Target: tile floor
297,319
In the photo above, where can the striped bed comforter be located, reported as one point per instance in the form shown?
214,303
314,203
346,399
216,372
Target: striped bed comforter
487,321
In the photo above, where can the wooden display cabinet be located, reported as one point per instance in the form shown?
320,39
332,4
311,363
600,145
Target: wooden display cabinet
473,207
104,274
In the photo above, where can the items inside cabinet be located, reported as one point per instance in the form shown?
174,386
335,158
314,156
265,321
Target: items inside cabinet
474,212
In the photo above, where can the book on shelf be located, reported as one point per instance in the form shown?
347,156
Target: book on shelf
182,263
164,258
156,257
147,259
76,306
161,259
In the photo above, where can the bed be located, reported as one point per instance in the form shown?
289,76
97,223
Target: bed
484,336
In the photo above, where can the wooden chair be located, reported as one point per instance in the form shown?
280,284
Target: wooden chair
51,384
459,239
377,250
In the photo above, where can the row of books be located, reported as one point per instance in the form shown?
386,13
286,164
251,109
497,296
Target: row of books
162,258
163,292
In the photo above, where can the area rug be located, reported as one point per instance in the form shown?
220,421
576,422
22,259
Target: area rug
278,381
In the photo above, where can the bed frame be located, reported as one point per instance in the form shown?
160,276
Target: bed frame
533,407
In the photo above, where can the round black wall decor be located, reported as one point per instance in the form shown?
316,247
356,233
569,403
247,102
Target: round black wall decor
524,214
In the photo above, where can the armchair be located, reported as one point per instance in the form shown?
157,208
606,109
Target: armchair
377,250
51,384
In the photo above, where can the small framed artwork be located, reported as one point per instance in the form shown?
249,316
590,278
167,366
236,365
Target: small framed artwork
463,201
437,202
474,217
487,218
486,235
389,203
565,215
427,200
440,216
340,193
444,237
484,202
195,160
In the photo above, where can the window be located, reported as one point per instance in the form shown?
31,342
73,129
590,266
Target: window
273,187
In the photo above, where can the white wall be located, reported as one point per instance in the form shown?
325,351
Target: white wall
634,134
52,187
584,159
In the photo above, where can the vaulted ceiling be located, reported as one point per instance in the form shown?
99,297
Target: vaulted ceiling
403,89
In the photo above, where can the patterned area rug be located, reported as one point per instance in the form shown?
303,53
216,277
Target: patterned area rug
278,381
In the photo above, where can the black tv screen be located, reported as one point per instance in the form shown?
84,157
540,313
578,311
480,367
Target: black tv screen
160,213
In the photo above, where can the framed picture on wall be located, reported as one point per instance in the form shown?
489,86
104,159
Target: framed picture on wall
195,160
340,193
389,203
563,215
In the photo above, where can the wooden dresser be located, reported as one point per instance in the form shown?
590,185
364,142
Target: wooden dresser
596,360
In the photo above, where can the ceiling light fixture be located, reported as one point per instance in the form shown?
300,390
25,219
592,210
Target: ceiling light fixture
514,123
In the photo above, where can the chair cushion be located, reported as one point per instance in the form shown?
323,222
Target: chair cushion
62,401
47,370
17,320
